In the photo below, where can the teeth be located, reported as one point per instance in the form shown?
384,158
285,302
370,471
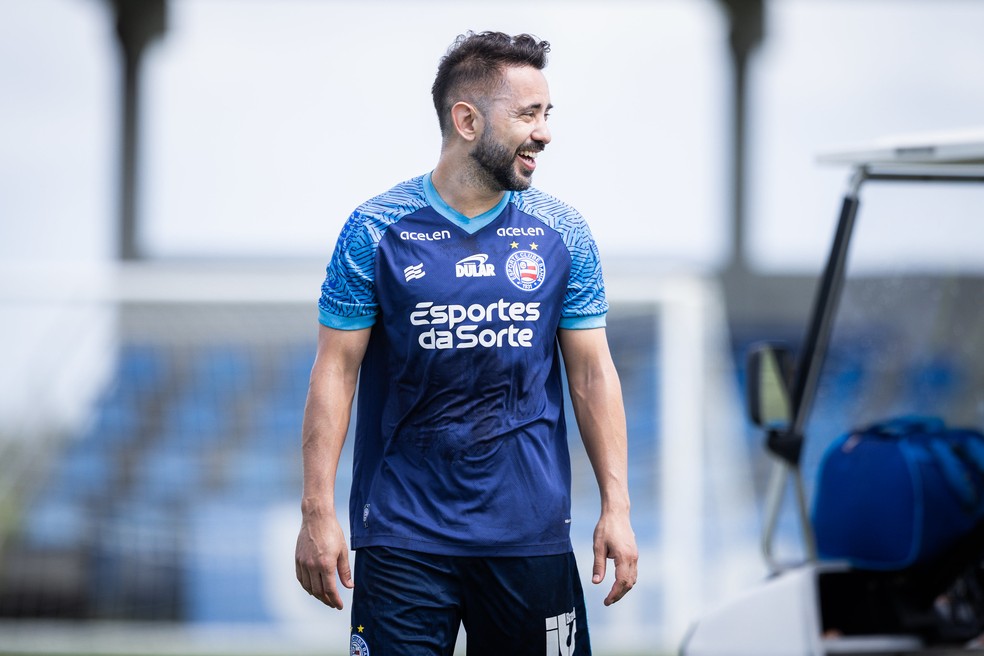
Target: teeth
528,153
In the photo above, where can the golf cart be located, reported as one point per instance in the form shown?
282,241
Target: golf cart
854,344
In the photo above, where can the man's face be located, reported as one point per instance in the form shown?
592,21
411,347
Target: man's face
515,130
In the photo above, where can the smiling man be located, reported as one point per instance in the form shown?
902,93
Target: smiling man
448,301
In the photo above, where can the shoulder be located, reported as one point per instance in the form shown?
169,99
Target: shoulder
558,215
549,209
369,221
396,202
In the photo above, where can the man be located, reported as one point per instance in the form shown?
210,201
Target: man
446,299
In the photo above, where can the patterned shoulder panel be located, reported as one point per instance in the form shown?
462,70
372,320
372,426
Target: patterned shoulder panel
586,289
390,206
349,289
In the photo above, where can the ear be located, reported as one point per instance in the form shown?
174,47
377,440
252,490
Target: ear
467,120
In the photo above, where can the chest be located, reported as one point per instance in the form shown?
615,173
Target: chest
515,259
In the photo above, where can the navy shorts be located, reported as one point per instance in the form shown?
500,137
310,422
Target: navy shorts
408,603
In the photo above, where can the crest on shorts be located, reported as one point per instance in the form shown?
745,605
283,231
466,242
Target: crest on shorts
359,646
526,270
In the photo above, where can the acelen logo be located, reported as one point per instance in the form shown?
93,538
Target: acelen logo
437,235
474,266
520,232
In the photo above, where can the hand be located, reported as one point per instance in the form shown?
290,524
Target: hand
613,538
321,552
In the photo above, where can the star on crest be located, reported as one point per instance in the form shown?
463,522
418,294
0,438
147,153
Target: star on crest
533,246
514,245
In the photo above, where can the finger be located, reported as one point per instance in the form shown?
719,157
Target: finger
625,579
617,592
344,571
330,595
318,587
600,563
303,577
619,588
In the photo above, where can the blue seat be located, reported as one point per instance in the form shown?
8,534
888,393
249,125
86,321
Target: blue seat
223,566
56,521
142,367
262,477
163,477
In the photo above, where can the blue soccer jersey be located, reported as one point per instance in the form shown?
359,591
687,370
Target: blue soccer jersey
461,444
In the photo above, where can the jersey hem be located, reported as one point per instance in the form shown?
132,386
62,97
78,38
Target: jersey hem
583,323
330,320
549,549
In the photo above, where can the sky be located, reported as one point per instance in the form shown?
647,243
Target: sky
267,122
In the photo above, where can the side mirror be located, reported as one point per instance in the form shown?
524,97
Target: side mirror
769,369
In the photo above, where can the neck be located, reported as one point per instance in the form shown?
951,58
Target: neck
462,189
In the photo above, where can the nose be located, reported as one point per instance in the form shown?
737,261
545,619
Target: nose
541,132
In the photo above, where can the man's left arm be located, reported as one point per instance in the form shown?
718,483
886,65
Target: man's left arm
596,395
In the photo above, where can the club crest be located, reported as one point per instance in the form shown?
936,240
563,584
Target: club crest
359,647
526,270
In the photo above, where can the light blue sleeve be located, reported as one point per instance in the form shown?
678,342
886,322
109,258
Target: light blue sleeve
583,323
348,294
585,304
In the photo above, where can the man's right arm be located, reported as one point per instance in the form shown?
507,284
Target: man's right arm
322,551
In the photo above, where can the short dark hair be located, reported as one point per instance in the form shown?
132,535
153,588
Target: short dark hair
475,62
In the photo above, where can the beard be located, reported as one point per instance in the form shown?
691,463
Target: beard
497,165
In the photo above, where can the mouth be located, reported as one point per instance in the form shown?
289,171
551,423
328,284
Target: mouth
528,158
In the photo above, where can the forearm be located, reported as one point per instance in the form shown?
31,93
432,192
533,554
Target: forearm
597,398
321,553
327,413
325,425
600,415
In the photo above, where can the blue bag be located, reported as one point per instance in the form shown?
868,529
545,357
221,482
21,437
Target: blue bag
898,493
